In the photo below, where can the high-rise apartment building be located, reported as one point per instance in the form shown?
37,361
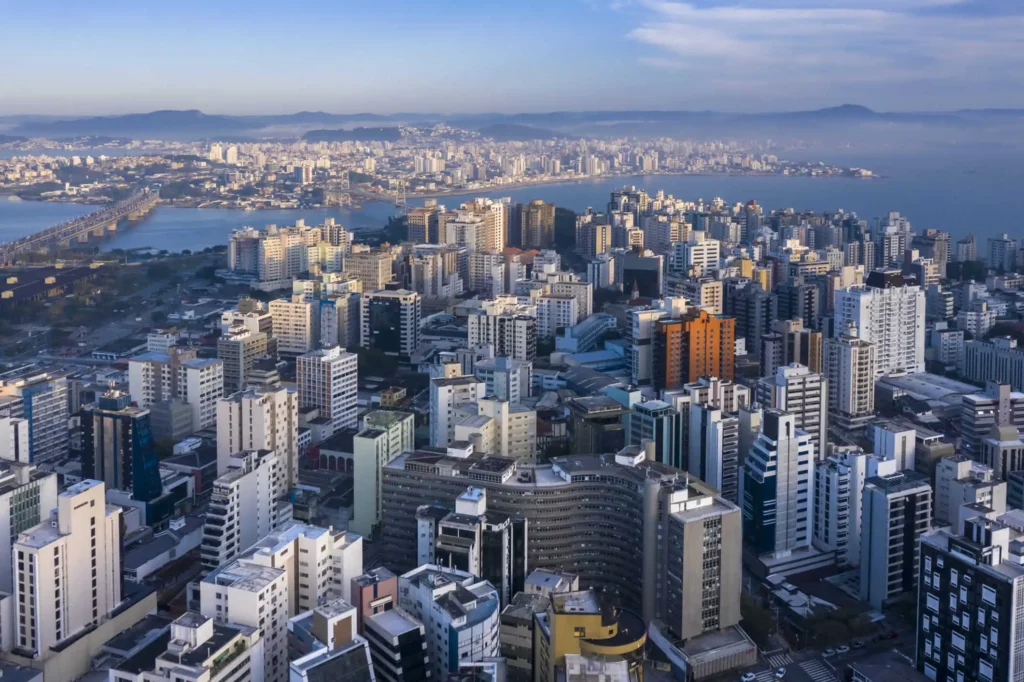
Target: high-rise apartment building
510,328
838,495
117,448
555,312
446,395
245,505
803,394
499,428
385,435
849,367
371,268
583,292
423,223
897,511
506,378
41,399
260,418
398,647
970,596
250,314
179,374
27,496
296,325
654,517
329,381
538,225
790,342
714,454
469,537
238,350
695,345
997,360
959,480
67,572
662,424
256,596
778,475
997,405
391,322
890,314
459,613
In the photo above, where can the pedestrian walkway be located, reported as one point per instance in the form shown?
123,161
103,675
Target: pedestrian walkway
765,676
818,671
779,660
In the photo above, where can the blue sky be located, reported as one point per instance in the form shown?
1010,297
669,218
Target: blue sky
115,56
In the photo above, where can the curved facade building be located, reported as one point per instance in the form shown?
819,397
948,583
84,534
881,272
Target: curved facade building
596,516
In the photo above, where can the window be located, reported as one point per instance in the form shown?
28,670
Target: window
988,595
984,670
958,643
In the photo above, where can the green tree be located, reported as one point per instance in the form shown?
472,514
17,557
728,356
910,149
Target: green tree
158,316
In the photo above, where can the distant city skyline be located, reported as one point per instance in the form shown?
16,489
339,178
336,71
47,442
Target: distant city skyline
114,57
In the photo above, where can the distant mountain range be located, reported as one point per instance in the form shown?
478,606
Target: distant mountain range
193,124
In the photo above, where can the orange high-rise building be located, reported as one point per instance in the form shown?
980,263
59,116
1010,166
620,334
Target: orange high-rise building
697,345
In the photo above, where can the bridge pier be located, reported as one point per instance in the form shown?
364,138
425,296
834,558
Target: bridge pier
82,237
112,227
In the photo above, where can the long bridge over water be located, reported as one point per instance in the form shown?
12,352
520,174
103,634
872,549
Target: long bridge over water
79,230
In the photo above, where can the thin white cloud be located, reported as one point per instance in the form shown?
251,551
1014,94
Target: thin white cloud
770,45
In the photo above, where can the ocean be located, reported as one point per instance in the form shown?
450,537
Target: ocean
962,191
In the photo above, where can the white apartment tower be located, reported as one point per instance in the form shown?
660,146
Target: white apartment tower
802,393
888,314
328,380
260,418
838,491
245,505
156,377
296,325
849,365
256,596
446,395
554,312
27,496
67,571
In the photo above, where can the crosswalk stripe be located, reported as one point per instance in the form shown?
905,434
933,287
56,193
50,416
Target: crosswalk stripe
780,660
817,671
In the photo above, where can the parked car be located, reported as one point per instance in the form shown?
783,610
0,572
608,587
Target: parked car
843,649
857,644
828,653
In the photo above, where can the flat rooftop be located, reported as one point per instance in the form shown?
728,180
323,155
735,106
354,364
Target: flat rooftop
244,576
584,601
394,622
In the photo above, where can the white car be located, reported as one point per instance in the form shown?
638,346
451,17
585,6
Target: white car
748,677
842,649
828,653
780,673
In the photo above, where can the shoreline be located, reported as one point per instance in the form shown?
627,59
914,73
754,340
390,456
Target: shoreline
460,192
602,178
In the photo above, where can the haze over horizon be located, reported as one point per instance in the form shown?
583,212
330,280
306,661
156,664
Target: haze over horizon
741,56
